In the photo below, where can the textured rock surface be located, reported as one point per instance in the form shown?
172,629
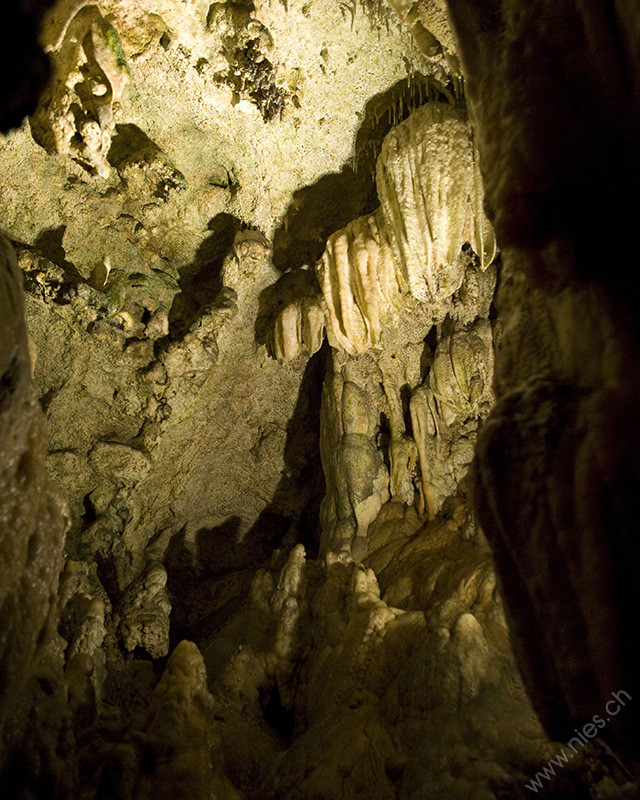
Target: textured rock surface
557,465
358,283
32,522
431,193
75,115
274,582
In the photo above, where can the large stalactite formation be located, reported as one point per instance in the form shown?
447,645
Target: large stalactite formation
294,297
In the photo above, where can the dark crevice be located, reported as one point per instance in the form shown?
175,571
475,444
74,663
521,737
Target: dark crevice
90,514
405,398
281,719
9,381
383,439
428,353
108,575
140,654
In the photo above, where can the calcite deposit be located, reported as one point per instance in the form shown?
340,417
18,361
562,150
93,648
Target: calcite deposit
430,189
264,374
75,115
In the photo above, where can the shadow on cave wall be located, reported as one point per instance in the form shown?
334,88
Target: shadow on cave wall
329,204
206,591
315,213
201,281
131,147
49,244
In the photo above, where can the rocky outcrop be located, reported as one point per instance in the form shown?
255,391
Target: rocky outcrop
75,114
429,24
325,649
33,520
557,463
274,582
144,613
447,408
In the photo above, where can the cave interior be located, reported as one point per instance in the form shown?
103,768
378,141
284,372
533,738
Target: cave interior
319,390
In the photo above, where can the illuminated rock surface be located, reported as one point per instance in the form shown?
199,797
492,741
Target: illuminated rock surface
259,289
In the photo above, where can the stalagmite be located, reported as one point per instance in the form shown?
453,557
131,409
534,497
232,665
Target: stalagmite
181,730
358,478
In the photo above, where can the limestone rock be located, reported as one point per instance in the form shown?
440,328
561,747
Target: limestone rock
144,613
446,410
33,519
430,188
431,196
75,115
356,274
298,513
429,23
393,678
357,478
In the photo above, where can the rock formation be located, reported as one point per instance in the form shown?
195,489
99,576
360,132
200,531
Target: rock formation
75,114
267,328
32,525
557,476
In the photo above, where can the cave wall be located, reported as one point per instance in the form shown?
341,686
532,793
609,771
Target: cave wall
33,518
259,288
559,153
